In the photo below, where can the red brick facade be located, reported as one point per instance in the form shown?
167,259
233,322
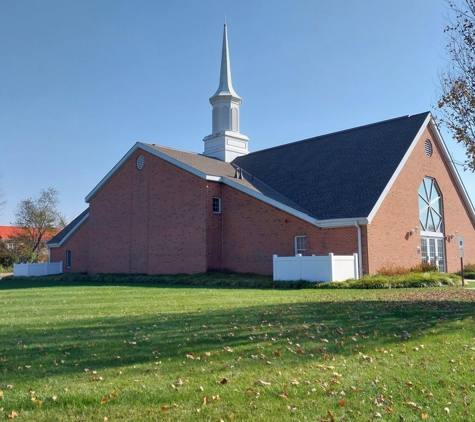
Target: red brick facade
389,240
160,220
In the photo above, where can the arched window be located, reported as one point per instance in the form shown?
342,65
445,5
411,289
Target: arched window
225,117
215,119
235,117
430,206
432,223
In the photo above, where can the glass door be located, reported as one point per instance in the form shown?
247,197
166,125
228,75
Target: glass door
432,249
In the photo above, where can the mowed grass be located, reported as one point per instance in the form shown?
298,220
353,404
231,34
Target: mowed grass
85,352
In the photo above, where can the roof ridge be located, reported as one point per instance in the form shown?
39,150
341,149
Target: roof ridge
340,132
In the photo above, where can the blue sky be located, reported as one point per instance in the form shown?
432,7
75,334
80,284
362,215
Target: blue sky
83,80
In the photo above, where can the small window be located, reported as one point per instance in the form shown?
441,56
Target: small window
10,246
217,205
428,147
68,259
300,245
140,162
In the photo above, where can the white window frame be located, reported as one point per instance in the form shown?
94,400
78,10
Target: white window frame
217,209
297,249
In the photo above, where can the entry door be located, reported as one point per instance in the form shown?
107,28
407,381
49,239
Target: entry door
433,252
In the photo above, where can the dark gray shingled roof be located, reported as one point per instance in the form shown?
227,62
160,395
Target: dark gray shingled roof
339,175
71,226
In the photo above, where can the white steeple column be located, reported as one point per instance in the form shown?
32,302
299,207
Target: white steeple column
225,142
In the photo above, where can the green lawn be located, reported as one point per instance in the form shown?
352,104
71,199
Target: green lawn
97,352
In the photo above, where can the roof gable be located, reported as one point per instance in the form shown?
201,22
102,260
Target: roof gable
64,234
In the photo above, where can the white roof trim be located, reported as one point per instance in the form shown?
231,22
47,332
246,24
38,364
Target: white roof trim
340,222
446,157
71,232
399,168
453,170
125,158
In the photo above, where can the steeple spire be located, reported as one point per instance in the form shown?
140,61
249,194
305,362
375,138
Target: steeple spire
225,83
225,142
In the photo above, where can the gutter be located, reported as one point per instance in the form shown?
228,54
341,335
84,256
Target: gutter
360,250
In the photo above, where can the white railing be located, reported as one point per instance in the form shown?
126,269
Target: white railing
31,270
315,268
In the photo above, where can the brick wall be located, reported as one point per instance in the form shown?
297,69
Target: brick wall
77,244
253,231
149,221
389,239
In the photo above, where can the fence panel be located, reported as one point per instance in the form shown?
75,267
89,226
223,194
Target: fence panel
37,269
315,268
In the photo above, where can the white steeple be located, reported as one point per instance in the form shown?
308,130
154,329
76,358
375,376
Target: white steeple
225,142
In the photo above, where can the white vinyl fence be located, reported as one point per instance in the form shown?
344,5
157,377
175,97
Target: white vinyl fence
315,268
45,268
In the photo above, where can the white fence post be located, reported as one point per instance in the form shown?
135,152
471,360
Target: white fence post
332,270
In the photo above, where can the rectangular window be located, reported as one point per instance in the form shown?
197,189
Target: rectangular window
300,245
68,259
217,205
10,246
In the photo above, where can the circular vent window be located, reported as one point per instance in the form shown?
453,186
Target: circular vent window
428,147
140,162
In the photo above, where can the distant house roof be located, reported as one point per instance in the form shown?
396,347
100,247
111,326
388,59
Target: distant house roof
8,232
68,230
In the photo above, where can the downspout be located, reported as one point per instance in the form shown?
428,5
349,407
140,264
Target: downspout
360,250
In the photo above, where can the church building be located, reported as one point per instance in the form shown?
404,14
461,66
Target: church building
387,191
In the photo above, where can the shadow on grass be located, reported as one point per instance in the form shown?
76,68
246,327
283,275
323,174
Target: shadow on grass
305,331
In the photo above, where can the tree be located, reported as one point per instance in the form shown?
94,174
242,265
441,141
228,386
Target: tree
457,84
39,219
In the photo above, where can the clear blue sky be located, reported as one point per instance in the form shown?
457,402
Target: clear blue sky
82,80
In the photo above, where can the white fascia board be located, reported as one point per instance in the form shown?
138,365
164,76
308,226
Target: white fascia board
112,172
453,171
342,222
399,168
269,201
71,232
126,157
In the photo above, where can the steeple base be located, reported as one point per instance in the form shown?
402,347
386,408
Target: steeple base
226,145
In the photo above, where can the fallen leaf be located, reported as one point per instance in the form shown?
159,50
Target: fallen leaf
424,416
12,415
164,408
223,381
104,400
260,382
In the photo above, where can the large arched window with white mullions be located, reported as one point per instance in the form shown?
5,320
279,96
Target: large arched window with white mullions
430,206
432,223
